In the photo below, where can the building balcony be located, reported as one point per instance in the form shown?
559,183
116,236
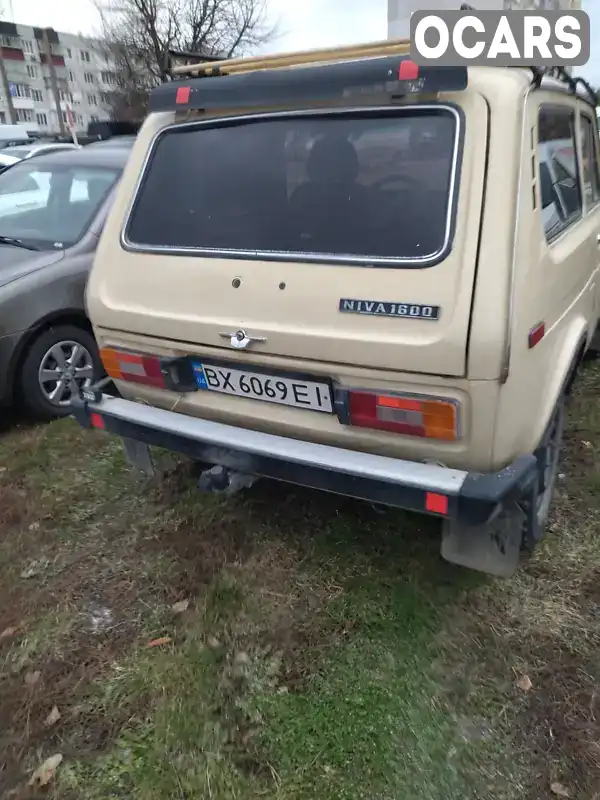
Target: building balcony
58,61
12,54
23,102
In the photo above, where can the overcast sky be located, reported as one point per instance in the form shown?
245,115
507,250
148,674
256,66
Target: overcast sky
303,23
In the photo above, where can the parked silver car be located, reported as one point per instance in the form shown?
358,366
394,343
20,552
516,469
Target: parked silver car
52,210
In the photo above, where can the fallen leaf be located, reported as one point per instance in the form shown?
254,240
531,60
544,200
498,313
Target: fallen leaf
31,678
159,642
52,717
588,445
213,643
8,632
180,607
45,772
524,683
35,567
559,790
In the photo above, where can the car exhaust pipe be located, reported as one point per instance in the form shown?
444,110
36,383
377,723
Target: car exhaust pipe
221,480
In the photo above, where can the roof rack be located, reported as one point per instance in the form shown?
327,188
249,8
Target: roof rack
390,76
561,74
228,66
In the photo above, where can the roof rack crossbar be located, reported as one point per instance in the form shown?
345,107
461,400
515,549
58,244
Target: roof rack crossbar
561,74
247,64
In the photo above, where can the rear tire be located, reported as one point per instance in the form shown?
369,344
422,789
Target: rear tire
548,458
496,547
594,348
58,362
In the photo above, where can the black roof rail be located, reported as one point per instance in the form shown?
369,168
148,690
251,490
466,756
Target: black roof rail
561,74
334,81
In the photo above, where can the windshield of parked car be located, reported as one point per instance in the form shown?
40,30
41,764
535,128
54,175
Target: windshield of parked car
51,206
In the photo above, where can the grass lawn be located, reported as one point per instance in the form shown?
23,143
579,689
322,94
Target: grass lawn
285,644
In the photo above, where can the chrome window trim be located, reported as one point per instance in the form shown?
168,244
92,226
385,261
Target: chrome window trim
300,256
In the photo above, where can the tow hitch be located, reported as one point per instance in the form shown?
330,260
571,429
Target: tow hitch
221,480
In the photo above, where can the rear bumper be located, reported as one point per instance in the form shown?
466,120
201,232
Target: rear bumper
472,498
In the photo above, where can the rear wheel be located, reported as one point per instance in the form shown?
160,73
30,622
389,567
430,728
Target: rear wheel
495,548
59,363
594,347
548,457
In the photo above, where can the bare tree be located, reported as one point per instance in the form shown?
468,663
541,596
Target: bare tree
139,34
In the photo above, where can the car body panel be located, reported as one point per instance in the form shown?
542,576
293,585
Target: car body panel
501,280
37,288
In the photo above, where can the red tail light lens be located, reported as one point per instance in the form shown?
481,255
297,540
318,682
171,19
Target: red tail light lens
427,417
134,367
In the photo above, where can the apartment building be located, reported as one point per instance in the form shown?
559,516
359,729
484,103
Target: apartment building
82,72
399,11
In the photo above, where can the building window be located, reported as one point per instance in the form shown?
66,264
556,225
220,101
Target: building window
27,46
20,90
31,71
88,77
85,56
66,97
71,77
37,95
42,120
69,54
108,77
24,115
94,118
2,118
92,99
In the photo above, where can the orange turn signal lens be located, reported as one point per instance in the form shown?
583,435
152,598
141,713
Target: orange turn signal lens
428,417
136,367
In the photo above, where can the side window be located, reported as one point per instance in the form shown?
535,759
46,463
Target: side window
589,157
559,177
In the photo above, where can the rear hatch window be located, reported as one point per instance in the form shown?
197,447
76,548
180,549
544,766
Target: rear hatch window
368,187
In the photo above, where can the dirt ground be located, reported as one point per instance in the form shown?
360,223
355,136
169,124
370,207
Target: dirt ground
160,643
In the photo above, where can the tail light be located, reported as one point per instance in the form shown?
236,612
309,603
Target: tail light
125,366
428,417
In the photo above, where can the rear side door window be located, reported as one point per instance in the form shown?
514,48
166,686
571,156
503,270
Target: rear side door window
561,195
589,159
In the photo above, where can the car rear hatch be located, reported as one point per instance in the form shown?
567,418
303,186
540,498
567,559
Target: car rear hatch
344,235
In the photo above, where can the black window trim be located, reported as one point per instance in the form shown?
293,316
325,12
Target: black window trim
299,256
574,218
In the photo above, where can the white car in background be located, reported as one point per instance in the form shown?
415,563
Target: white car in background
28,191
37,149
12,155
7,161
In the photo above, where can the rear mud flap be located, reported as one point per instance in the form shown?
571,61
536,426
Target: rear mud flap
493,548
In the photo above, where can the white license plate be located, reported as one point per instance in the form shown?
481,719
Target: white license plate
261,386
